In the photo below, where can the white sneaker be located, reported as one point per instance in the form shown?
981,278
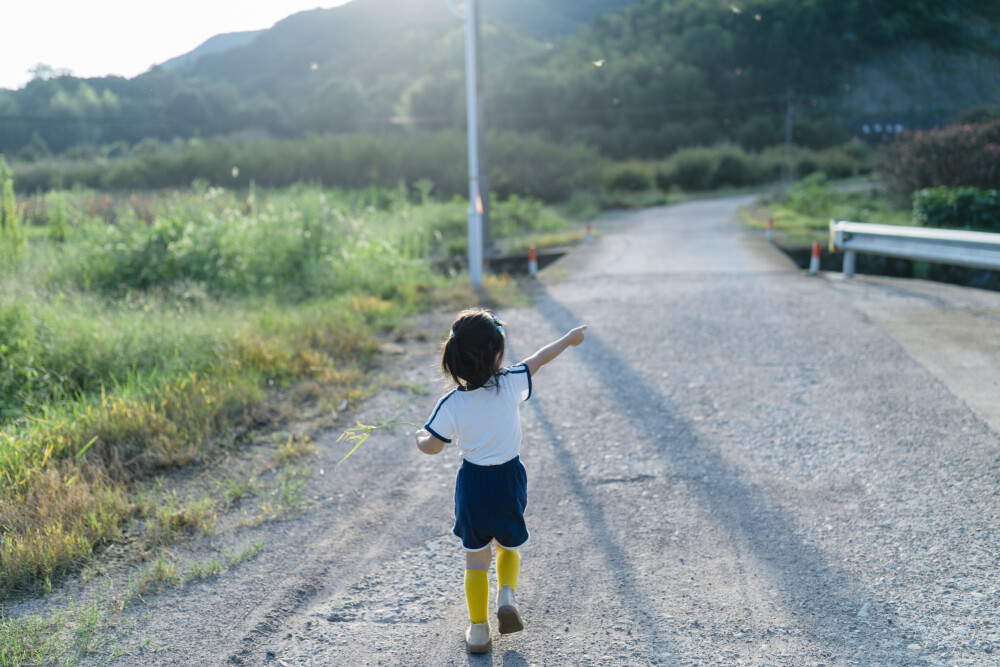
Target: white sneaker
507,613
477,637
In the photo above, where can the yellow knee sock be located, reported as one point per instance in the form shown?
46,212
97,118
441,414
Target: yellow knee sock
508,566
477,594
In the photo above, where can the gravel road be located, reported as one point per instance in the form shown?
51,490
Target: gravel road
742,465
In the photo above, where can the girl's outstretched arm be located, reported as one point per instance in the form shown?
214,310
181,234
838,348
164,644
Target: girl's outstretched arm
554,349
427,443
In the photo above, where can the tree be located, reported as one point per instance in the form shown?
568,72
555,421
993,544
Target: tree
43,71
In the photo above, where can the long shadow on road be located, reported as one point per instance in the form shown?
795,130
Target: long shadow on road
614,556
737,504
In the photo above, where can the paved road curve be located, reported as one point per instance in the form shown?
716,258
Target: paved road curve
741,465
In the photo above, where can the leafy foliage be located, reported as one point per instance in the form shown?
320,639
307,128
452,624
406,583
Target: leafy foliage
958,155
520,164
695,169
812,196
958,208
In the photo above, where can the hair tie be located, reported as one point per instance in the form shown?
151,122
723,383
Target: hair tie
500,325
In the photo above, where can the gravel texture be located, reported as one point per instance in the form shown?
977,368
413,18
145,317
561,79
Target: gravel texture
739,466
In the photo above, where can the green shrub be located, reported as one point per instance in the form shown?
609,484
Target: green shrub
692,169
860,151
811,196
695,169
958,208
836,163
581,206
733,169
978,114
630,177
517,216
518,164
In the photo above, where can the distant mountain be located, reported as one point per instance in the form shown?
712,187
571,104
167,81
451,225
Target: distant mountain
366,40
216,44
632,78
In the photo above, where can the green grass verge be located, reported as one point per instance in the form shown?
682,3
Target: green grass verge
802,215
141,338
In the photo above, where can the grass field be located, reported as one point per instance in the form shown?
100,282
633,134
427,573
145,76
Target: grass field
802,215
142,333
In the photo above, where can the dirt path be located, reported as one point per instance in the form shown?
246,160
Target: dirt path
740,466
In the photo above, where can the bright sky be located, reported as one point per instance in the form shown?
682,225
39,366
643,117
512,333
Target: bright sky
123,37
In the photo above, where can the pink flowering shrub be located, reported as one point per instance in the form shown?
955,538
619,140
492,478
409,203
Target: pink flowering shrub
954,156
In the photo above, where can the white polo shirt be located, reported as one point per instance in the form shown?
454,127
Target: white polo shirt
484,423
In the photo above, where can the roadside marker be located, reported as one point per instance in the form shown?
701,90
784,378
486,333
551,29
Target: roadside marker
770,229
586,236
814,260
532,261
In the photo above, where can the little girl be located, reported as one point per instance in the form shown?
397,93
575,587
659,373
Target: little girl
481,417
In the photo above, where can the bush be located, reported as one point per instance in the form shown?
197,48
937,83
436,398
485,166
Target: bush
517,216
836,163
860,151
733,169
978,114
691,169
704,168
581,206
958,208
518,164
629,177
812,196
954,156
840,162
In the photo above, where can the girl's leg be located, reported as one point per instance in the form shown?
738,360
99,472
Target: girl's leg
477,586
508,567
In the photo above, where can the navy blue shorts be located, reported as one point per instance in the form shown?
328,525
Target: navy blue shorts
489,505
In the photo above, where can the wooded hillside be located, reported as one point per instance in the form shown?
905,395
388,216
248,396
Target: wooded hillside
639,80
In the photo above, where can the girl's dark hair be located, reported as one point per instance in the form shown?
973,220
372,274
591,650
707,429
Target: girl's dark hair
473,352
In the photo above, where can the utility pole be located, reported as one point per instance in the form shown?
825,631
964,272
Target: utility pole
484,176
788,137
474,138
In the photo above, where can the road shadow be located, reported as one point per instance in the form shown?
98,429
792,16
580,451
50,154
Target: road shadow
737,504
513,659
507,658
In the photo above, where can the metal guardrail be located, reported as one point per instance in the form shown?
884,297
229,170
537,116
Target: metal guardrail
979,250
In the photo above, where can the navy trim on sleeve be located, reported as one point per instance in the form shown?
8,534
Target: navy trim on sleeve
435,434
440,403
523,369
436,411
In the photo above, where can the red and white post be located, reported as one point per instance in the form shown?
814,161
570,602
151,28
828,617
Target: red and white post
533,261
769,234
814,260
587,236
